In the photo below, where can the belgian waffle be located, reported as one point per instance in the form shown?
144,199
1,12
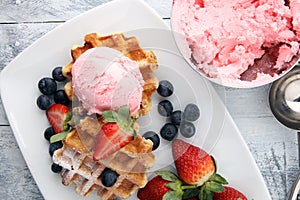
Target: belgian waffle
132,161
80,169
130,47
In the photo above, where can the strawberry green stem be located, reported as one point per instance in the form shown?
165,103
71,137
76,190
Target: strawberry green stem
184,187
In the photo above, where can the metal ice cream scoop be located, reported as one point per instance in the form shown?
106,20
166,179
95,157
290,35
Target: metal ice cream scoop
284,100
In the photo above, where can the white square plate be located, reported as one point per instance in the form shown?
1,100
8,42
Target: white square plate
217,132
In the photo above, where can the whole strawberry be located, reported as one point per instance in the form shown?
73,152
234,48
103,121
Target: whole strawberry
196,167
165,186
229,193
154,190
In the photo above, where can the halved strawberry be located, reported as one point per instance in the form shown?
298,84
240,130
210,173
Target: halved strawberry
57,115
117,132
229,193
109,140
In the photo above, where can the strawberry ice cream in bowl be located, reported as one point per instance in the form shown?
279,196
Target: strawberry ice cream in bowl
238,43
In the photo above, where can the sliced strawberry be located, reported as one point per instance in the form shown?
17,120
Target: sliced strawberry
117,132
109,140
110,129
57,115
229,193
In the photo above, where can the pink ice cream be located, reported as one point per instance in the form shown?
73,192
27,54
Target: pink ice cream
239,41
104,79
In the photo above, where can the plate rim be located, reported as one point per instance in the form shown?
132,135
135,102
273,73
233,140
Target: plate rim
7,68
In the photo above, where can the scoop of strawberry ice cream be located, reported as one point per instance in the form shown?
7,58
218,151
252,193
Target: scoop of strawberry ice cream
104,79
227,37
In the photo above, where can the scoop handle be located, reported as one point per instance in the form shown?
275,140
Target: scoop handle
298,137
295,189
296,186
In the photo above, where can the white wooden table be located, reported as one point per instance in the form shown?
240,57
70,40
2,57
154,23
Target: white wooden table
273,146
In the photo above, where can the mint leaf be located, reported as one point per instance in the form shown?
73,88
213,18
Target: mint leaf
66,121
59,136
74,120
134,134
131,122
122,118
108,115
124,114
125,126
115,116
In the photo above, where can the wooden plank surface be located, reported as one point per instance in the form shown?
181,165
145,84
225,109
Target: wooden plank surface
46,11
273,146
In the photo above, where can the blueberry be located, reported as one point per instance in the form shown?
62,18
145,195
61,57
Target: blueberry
47,86
176,117
168,131
165,108
151,135
58,75
43,102
61,97
165,88
108,177
56,168
187,129
54,146
48,133
191,112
